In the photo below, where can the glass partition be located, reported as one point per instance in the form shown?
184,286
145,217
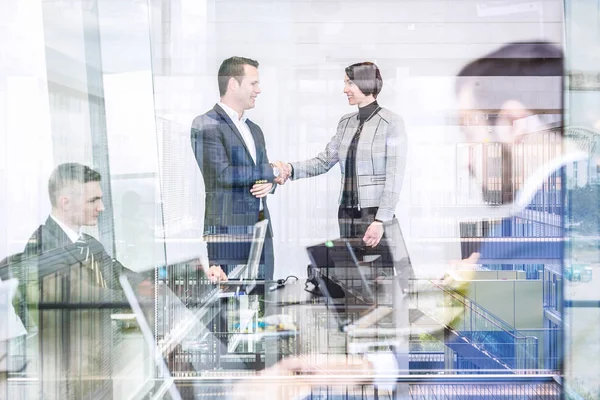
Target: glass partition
577,283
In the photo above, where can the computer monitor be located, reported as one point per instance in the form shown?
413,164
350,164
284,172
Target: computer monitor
337,261
258,240
248,273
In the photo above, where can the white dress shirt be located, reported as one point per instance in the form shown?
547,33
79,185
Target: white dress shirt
242,127
72,234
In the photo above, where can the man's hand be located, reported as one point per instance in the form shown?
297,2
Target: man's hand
299,375
216,274
285,171
260,190
467,266
373,234
467,263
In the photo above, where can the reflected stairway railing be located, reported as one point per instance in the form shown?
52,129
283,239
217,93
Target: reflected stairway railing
478,336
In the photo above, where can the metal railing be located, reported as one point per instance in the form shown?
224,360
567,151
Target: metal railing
494,338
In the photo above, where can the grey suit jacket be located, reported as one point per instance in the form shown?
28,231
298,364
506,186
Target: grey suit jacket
380,163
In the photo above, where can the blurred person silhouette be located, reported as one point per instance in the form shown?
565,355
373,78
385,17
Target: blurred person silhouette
503,81
506,70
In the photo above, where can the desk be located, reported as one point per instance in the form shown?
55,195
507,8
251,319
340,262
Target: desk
319,325
290,293
255,331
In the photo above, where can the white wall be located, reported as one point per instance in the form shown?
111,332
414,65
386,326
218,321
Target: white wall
25,141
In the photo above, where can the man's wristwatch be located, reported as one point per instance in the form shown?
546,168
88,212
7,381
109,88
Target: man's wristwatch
276,170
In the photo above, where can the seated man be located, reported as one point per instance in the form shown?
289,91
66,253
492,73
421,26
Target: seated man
76,198
61,268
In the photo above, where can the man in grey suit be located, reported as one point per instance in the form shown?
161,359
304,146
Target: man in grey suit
231,153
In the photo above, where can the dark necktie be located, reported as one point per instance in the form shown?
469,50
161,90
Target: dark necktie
91,257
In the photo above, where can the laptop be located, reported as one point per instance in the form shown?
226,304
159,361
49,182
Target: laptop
242,280
339,256
337,260
187,341
186,334
148,386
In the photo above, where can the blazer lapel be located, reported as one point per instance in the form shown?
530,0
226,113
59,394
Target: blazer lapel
260,157
349,131
232,127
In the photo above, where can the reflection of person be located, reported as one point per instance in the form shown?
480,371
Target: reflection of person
526,190
514,102
295,377
62,265
76,199
370,146
515,60
231,153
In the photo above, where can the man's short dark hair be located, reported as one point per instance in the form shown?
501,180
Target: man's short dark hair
66,174
366,76
519,59
233,67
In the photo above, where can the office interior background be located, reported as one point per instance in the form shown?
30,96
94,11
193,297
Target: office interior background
116,84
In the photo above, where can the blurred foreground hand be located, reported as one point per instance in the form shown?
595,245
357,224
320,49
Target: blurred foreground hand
213,273
216,274
295,377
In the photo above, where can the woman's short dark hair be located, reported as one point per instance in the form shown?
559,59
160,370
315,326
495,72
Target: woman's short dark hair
233,67
366,76
66,174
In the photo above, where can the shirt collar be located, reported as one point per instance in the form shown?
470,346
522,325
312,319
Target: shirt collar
72,234
235,117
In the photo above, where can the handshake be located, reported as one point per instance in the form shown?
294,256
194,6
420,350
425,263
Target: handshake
263,188
285,172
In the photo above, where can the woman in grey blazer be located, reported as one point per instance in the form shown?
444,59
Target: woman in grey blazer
370,147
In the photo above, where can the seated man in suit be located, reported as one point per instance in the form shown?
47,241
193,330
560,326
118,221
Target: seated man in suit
62,265
76,198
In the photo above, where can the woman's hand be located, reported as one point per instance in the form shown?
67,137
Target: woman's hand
373,234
